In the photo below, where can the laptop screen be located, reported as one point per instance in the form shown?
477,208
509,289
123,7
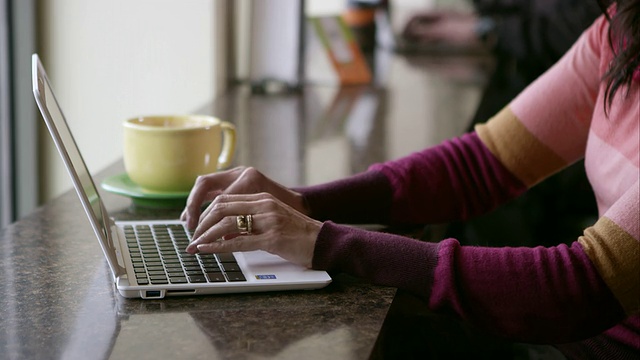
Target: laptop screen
69,150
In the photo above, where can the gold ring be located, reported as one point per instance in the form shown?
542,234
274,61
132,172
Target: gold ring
241,223
249,223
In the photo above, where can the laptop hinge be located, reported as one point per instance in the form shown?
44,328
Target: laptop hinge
113,254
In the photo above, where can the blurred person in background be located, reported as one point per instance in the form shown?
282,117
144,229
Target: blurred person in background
527,37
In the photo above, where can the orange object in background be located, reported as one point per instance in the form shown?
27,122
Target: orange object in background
360,16
342,49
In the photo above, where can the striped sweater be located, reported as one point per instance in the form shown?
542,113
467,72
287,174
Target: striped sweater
585,295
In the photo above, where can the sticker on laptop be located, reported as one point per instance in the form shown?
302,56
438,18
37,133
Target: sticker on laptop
265,277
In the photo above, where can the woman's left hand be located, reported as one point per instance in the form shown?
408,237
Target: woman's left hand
275,227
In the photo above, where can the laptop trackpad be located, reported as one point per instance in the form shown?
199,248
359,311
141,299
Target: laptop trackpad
262,265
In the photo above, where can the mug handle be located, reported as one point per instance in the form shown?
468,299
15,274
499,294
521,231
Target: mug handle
229,146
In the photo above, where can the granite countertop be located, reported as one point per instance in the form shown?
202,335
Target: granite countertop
58,301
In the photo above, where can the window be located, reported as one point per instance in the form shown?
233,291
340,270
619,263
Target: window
18,135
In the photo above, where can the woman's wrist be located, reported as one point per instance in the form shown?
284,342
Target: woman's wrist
300,203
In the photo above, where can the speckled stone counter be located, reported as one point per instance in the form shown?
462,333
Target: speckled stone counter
57,300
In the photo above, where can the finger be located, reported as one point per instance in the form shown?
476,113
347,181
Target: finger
206,188
227,205
184,215
222,220
227,229
224,229
237,244
228,198
192,216
241,180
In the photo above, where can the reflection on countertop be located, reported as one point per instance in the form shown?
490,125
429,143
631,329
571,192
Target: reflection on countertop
327,132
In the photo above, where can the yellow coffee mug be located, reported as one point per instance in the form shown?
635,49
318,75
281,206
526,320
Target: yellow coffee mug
168,153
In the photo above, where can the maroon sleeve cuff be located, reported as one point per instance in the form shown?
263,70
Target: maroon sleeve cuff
364,198
380,258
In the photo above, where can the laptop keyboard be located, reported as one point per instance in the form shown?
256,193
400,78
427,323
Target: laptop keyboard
158,257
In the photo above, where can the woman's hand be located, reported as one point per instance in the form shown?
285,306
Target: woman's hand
275,227
241,180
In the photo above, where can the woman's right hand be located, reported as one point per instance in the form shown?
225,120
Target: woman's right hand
240,180
239,222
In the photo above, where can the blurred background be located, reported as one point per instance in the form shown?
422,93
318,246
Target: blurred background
109,60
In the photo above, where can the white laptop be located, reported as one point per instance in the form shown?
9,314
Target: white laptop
147,258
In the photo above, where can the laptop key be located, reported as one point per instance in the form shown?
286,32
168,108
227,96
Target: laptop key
156,273
197,279
212,269
226,257
216,277
231,267
193,273
236,276
178,280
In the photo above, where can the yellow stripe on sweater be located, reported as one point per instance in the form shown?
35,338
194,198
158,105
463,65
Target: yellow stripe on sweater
520,152
616,255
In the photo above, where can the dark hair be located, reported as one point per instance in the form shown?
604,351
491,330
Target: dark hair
624,39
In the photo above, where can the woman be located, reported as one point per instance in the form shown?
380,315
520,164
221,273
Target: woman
585,294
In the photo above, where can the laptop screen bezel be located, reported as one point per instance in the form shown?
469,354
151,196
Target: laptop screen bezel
100,222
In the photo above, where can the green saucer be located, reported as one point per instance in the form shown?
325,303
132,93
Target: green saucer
122,185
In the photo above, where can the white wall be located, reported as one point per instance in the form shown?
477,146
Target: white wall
324,7
109,60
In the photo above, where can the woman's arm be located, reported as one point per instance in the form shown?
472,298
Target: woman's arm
547,295
540,295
